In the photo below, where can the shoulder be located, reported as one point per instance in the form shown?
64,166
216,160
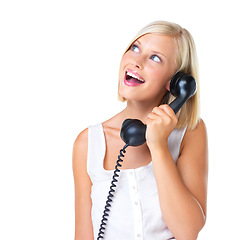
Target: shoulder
82,139
200,127
196,135
80,148
195,142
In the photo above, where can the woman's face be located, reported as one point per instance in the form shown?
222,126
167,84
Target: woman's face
147,68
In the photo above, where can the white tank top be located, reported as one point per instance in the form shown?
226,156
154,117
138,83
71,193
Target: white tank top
135,213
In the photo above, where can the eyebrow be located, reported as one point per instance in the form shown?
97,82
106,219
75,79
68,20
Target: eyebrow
152,50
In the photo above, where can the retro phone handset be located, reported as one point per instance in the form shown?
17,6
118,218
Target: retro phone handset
182,86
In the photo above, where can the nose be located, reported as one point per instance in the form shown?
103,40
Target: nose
138,62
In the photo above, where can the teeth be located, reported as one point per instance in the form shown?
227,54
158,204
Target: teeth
134,76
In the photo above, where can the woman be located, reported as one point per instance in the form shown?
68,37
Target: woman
162,189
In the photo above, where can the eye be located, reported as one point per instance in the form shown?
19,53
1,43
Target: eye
134,48
155,58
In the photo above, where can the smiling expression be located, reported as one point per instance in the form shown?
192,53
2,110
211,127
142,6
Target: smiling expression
147,68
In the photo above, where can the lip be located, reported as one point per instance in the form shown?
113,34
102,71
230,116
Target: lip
133,84
135,73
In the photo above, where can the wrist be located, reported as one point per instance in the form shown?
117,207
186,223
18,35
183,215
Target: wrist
158,148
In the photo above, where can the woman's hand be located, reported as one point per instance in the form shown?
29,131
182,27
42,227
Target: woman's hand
160,123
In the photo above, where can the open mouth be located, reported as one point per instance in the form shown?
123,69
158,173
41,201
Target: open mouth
133,78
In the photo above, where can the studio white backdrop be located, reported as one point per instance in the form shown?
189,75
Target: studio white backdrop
59,64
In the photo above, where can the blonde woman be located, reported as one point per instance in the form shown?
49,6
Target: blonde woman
162,188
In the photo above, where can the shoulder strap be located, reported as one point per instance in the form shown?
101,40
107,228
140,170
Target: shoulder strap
96,151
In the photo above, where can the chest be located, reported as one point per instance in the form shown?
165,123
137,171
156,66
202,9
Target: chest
134,157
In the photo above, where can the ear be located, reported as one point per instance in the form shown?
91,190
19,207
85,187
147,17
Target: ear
168,85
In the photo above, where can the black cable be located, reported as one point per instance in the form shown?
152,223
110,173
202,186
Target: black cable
111,192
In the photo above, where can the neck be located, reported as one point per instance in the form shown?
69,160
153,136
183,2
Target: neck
138,110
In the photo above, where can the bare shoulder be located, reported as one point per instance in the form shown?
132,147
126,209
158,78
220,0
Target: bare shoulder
199,130
82,139
194,145
80,146
196,137
194,152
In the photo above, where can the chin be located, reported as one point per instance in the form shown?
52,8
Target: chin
130,97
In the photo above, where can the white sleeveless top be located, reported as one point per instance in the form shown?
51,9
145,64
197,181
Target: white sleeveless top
135,212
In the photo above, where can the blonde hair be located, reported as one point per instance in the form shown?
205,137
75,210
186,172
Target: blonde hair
186,61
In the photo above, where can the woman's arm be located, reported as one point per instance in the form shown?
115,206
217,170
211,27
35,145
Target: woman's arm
83,203
182,189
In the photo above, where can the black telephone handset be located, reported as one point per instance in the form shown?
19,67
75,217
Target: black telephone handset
182,86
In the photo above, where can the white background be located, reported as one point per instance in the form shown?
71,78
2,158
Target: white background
59,65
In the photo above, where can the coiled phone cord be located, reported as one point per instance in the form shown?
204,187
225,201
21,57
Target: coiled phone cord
111,192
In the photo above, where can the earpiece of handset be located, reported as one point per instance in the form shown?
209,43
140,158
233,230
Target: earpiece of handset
182,86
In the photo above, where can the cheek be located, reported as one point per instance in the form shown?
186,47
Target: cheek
158,77
162,73
123,64
155,89
158,80
124,60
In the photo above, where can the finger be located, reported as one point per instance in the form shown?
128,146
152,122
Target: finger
165,112
148,121
153,115
167,109
159,111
